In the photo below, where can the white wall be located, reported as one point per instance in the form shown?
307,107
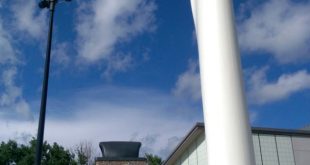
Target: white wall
301,147
269,150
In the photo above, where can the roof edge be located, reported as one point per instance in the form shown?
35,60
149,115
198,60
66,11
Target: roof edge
188,135
254,130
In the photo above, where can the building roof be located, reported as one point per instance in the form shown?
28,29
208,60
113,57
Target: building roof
199,129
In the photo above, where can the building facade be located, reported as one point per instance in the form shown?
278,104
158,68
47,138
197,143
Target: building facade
271,147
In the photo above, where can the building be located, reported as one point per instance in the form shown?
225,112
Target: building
271,147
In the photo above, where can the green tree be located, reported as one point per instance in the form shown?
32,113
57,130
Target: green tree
153,159
25,154
8,152
56,154
81,157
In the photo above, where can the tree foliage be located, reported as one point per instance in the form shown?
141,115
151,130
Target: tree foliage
153,159
85,153
25,154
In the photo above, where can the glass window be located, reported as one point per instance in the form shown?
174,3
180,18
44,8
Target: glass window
201,150
258,156
192,159
269,149
285,150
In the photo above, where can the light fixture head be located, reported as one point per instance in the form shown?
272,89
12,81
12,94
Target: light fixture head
44,4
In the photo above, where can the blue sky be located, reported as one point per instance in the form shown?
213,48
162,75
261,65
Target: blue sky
128,70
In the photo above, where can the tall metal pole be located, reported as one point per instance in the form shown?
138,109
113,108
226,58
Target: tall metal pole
228,136
41,126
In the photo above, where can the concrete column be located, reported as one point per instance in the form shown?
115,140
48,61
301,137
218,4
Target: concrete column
227,126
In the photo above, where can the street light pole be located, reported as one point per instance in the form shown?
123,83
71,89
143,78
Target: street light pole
51,5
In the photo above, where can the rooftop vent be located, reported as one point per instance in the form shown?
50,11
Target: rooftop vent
120,149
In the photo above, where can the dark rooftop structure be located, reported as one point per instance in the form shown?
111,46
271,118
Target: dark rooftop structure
116,152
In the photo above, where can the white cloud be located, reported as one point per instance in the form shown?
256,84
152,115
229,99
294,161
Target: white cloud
278,27
11,95
28,19
188,83
112,113
11,99
21,19
12,92
7,53
261,91
103,24
17,130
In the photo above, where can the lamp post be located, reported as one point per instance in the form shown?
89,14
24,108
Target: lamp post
50,4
